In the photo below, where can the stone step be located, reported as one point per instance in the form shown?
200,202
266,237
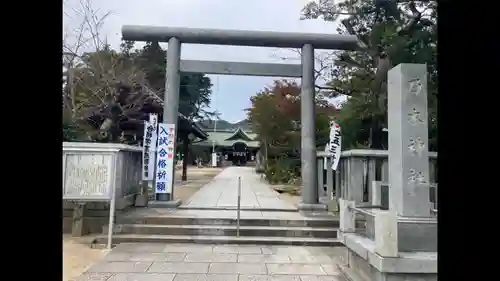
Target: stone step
332,222
349,274
101,240
224,230
231,208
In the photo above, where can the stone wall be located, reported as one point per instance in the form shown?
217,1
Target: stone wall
367,272
95,214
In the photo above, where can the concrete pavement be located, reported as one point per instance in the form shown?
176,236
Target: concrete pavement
221,192
194,262
221,262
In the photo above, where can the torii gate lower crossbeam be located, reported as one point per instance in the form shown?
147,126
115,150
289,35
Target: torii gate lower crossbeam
306,41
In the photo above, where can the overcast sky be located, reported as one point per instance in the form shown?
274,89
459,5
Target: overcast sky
230,93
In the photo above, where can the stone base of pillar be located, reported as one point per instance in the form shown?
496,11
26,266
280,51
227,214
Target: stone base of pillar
324,200
413,234
311,207
364,264
391,247
164,204
333,206
417,234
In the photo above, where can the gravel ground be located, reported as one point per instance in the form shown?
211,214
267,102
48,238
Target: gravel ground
197,177
78,257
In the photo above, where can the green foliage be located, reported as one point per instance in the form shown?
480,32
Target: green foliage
282,170
195,88
71,132
275,118
401,33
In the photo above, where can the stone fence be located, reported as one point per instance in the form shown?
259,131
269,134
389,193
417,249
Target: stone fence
362,176
98,167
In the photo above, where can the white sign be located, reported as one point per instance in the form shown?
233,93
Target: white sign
165,158
87,179
334,145
153,119
214,159
149,147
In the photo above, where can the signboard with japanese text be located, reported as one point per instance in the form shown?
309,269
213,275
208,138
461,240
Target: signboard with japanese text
149,147
87,176
165,158
334,145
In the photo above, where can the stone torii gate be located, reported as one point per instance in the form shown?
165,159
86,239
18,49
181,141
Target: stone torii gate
175,36
402,241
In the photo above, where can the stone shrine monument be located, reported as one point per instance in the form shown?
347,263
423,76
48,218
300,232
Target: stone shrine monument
307,42
403,242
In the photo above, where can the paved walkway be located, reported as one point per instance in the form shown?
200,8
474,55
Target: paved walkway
195,262
221,192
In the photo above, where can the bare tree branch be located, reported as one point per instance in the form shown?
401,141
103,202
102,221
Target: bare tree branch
335,90
103,89
323,63
415,18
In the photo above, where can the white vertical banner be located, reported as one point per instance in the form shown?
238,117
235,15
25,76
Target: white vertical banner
153,119
149,147
334,145
165,158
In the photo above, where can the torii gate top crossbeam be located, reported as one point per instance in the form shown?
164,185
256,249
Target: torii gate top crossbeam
240,37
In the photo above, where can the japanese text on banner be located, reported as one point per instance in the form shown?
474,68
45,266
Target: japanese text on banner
165,158
149,147
334,145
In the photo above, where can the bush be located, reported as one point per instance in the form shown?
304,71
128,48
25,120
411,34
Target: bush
281,171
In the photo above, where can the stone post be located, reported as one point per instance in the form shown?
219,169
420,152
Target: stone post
171,104
78,219
386,233
408,140
308,162
347,217
376,193
170,113
355,168
404,232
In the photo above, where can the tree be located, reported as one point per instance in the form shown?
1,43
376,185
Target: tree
195,88
194,92
109,94
390,33
105,90
275,118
